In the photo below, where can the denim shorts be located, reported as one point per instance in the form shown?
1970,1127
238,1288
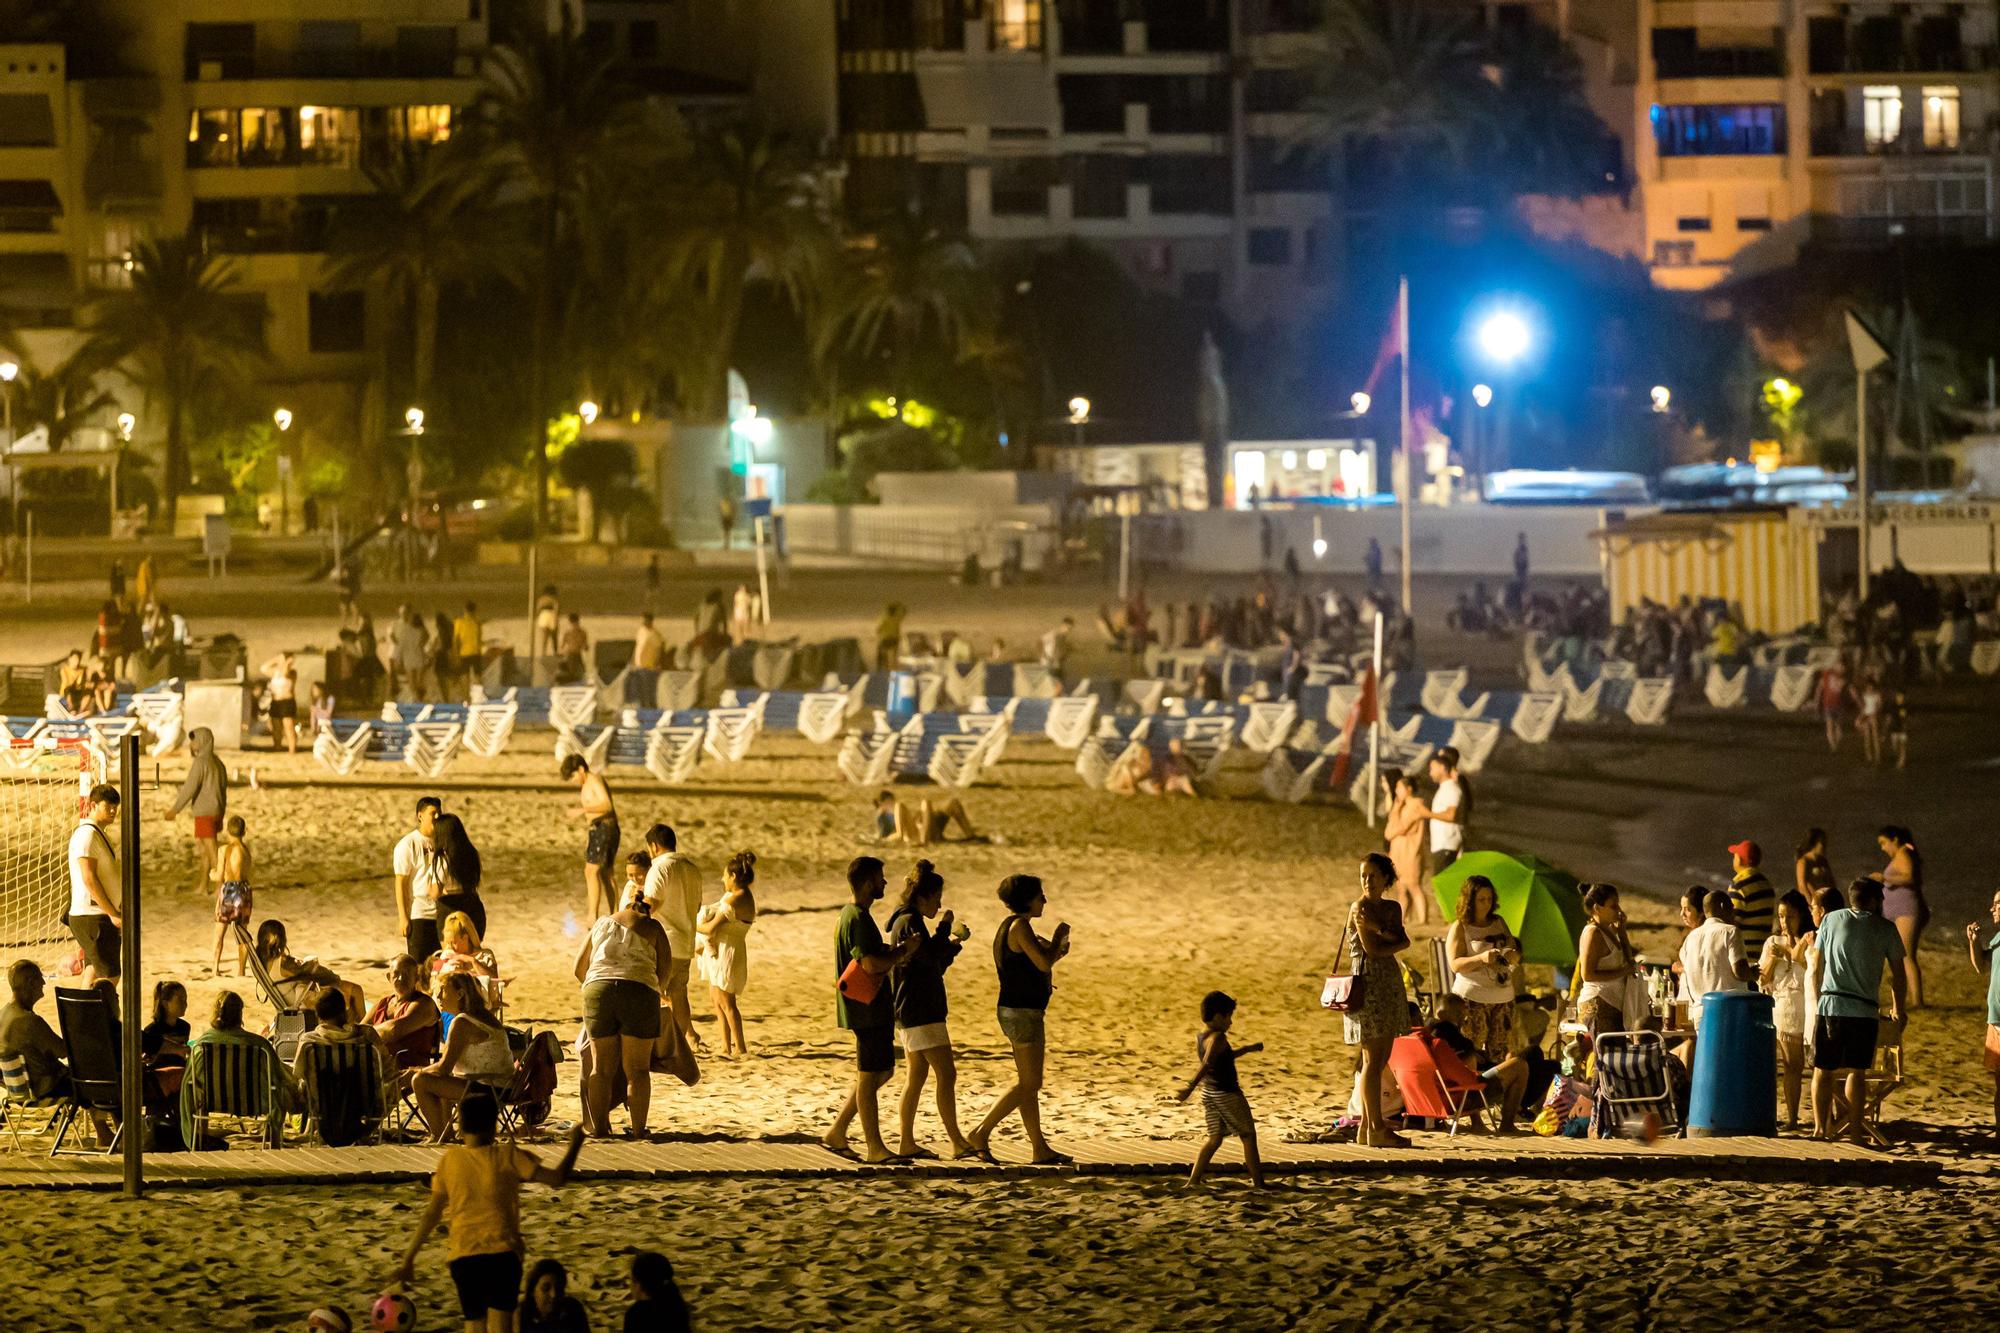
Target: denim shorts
1023,1027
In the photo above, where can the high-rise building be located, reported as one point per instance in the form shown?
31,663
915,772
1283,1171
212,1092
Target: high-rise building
252,127
1765,126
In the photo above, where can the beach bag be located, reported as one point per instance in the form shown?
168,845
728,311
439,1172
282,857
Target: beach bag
1344,992
860,985
672,1054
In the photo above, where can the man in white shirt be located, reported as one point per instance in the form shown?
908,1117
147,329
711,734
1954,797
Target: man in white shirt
96,911
673,891
1712,957
415,867
1447,812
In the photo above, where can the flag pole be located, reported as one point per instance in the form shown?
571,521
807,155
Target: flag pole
1403,433
1375,727
1861,469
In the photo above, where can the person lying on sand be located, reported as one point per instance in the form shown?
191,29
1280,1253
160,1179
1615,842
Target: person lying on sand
922,822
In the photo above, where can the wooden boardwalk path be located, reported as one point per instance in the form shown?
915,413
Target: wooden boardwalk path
1525,1156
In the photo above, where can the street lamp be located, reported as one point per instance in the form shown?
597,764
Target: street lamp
413,421
282,419
1361,403
587,411
1504,337
126,424
8,370
1482,394
1663,397
1319,540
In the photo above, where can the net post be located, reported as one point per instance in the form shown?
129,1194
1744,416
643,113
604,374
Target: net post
132,1070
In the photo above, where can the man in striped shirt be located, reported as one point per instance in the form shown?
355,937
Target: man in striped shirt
1753,896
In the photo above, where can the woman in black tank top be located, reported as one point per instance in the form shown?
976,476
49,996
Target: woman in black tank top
1024,961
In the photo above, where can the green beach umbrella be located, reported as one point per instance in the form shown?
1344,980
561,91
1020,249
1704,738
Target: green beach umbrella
1538,902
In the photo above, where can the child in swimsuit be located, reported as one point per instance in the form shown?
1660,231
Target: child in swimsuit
232,894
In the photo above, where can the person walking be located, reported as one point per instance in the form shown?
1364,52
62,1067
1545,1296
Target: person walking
468,644
1834,697
600,847
1853,948
1025,962
477,1190
864,1006
724,929
204,794
673,891
623,967
455,875
921,1007
414,867
232,894
1373,936
1225,1110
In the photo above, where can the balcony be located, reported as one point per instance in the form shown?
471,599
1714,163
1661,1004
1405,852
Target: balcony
414,61
1875,232
1721,62
1843,142
1859,58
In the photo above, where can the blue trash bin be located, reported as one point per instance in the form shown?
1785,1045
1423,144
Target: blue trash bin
1735,1076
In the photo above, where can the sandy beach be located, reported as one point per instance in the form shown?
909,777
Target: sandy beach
1167,899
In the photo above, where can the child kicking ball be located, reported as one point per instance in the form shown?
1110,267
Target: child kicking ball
1222,1102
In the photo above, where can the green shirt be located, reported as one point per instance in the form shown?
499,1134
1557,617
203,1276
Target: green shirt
857,938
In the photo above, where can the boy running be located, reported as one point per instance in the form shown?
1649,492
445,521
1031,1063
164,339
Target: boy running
1223,1105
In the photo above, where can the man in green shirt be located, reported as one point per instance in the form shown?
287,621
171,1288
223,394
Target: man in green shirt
1756,902
858,942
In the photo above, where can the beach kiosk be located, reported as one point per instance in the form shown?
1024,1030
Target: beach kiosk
1765,561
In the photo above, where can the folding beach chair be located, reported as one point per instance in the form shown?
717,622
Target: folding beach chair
89,1030
18,1100
1431,998
292,1019
1881,1079
345,1099
1632,1081
1436,1084
240,1081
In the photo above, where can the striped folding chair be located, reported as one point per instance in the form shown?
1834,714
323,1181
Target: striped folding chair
17,1099
240,1081
346,1102
1632,1080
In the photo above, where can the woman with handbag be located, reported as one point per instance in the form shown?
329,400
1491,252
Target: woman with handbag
1483,953
1377,1009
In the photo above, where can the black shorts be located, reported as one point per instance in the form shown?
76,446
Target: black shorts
99,939
284,710
421,939
487,1282
875,1049
602,847
1441,859
1844,1043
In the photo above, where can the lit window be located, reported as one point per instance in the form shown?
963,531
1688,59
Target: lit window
1882,114
329,136
1017,25
1941,118
267,136
427,124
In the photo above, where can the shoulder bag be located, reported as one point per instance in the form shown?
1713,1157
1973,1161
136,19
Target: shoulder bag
1344,992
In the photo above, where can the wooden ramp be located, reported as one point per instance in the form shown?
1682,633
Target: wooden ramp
1524,1156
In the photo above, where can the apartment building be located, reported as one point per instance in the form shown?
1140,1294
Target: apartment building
1770,125
255,126
1154,129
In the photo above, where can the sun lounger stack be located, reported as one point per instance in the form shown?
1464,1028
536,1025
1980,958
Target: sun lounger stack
429,746
160,712
489,726
1792,686
1725,689
587,739
730,731
531,703
1652,697
1290,775
342,746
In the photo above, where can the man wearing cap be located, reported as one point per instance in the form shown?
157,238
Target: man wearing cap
1753,896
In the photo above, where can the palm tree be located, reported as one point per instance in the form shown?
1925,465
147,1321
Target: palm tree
177,331
63,400
753,214
909,286
422,239
562,143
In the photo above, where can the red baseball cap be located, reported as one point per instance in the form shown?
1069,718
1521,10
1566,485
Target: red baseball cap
1748,852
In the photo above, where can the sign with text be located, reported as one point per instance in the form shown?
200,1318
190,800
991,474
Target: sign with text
1903,515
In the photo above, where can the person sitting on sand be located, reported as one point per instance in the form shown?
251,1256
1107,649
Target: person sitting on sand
1177,770
1505,1079
1132,773
300,980
477,1189
657,1304
1224,1108
475,1049
922,822
548,1307
407,1018
1025,962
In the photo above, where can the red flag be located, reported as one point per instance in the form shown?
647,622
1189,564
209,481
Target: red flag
1386,354
1360,713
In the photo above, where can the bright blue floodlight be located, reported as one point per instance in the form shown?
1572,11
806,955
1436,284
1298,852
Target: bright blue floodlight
1504,337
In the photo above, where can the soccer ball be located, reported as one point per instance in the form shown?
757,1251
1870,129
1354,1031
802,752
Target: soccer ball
393,1313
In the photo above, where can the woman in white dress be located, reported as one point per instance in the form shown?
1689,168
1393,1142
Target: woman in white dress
723,928
1781,974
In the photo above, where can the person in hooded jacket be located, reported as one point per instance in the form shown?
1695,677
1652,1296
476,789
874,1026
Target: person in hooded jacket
204,794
